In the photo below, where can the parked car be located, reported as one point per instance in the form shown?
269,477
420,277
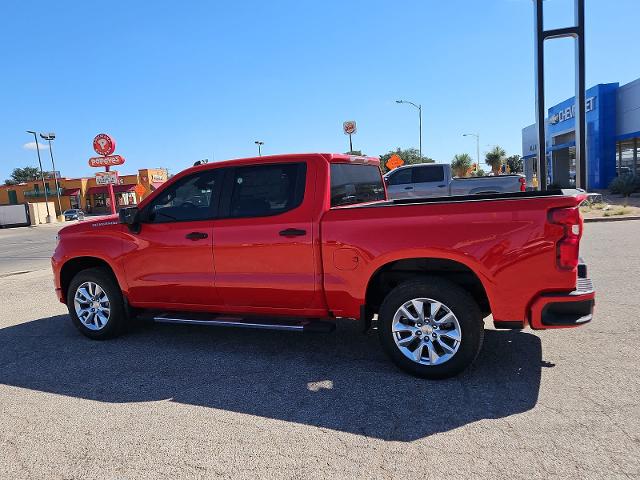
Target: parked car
292,242
435,180
73,214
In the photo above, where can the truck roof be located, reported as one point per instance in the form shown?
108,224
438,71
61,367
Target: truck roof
329,157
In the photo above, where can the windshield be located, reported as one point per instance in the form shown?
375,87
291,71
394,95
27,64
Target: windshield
355,183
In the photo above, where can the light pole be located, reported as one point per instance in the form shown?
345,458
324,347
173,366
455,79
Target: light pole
419,107
48,137
259,143
44,186
477,135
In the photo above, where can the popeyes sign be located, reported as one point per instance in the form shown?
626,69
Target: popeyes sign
349,127
107,161
104,145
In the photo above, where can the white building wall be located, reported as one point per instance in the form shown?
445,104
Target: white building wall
628,108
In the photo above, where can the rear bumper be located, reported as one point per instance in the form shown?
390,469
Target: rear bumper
564,310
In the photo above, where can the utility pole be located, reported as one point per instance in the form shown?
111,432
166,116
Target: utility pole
44,186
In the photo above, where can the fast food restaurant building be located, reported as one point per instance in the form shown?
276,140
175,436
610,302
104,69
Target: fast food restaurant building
84,193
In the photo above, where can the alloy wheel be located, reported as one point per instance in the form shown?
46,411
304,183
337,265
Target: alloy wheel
426,331
92,305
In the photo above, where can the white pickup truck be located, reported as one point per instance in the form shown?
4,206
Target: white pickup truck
435,180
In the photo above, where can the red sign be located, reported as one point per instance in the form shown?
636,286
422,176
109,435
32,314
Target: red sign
107,161
349,127
103,144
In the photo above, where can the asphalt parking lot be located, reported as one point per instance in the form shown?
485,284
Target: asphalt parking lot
177,401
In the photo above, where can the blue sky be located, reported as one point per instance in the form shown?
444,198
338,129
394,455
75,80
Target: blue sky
175,82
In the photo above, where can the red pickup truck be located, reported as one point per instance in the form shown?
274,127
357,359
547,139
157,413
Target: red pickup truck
293,242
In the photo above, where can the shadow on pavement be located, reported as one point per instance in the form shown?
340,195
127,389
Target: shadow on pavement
340,381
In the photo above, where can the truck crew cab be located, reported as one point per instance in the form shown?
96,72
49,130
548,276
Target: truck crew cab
293,242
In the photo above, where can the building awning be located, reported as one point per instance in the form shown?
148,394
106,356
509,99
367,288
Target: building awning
70,192
116,189
560,146
156,185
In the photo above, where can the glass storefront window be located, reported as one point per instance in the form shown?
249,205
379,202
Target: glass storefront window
628,157
100,200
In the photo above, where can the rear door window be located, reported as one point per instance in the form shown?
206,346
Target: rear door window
355,183
263,190
432,173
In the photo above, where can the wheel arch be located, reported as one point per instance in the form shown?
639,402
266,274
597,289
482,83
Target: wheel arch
388,276
75,265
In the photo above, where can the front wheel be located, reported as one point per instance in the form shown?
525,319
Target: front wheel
96,304
430,327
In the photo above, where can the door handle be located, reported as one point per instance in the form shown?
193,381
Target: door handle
408,188
441,186
292,232
196,236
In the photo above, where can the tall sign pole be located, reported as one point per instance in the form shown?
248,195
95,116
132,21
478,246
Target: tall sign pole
577,33
349,128
105,145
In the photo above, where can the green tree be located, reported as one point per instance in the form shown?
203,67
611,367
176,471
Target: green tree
461,164
357,153
625,185
21,175
479,173
410,156
495,158
515,164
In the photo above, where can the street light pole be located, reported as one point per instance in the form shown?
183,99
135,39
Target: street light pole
259,143
477,135
419,107
44,186
48,137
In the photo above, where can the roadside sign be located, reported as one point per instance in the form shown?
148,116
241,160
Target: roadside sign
394,162
140,190
349,127
107,161
107,178
103,144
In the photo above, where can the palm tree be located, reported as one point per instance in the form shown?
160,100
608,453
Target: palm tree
461,164
495,158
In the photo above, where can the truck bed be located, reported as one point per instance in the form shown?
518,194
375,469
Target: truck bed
504,238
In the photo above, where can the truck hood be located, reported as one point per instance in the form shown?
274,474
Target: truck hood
86,225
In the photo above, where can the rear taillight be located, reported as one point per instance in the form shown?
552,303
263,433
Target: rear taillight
523,184
568,247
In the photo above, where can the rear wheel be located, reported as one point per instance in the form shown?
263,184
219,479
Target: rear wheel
96,304
431,327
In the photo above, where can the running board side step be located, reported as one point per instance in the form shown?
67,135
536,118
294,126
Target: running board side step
267,323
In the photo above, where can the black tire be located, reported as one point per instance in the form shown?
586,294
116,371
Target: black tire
118,314
456,299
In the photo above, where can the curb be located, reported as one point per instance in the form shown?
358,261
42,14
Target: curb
620,218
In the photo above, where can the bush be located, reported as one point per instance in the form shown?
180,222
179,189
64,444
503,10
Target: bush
625,185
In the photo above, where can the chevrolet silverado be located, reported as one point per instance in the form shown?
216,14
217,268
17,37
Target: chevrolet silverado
292,242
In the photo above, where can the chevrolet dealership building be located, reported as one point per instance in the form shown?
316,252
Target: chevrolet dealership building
613,137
